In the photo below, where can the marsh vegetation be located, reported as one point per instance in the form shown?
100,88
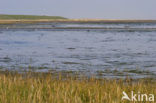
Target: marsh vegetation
47,88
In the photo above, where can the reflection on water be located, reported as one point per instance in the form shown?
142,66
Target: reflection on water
79,50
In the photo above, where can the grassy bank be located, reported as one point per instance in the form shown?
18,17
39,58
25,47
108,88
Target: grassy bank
46,88
13,19
28,17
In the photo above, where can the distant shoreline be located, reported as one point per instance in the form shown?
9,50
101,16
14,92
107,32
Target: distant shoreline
13,21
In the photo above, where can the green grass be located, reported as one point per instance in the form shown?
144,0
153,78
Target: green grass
45,88
28,17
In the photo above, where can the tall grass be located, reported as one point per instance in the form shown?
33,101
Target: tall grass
46,88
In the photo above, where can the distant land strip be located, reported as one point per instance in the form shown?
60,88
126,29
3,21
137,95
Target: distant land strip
13,19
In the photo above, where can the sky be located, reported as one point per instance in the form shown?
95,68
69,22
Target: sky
93,9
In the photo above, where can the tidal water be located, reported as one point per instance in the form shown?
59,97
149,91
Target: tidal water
126,49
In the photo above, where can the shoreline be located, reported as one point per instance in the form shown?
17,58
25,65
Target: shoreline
13,21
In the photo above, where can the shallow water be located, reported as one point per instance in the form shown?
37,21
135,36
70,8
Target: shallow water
92,51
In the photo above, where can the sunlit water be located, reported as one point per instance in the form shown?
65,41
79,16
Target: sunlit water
79,50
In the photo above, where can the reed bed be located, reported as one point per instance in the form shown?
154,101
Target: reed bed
49,88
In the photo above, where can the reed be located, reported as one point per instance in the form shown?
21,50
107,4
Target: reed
48,88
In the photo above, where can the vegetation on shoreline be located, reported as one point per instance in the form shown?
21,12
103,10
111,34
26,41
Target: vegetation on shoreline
28,17
33,87
12,19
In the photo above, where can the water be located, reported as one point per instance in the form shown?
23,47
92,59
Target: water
110,53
